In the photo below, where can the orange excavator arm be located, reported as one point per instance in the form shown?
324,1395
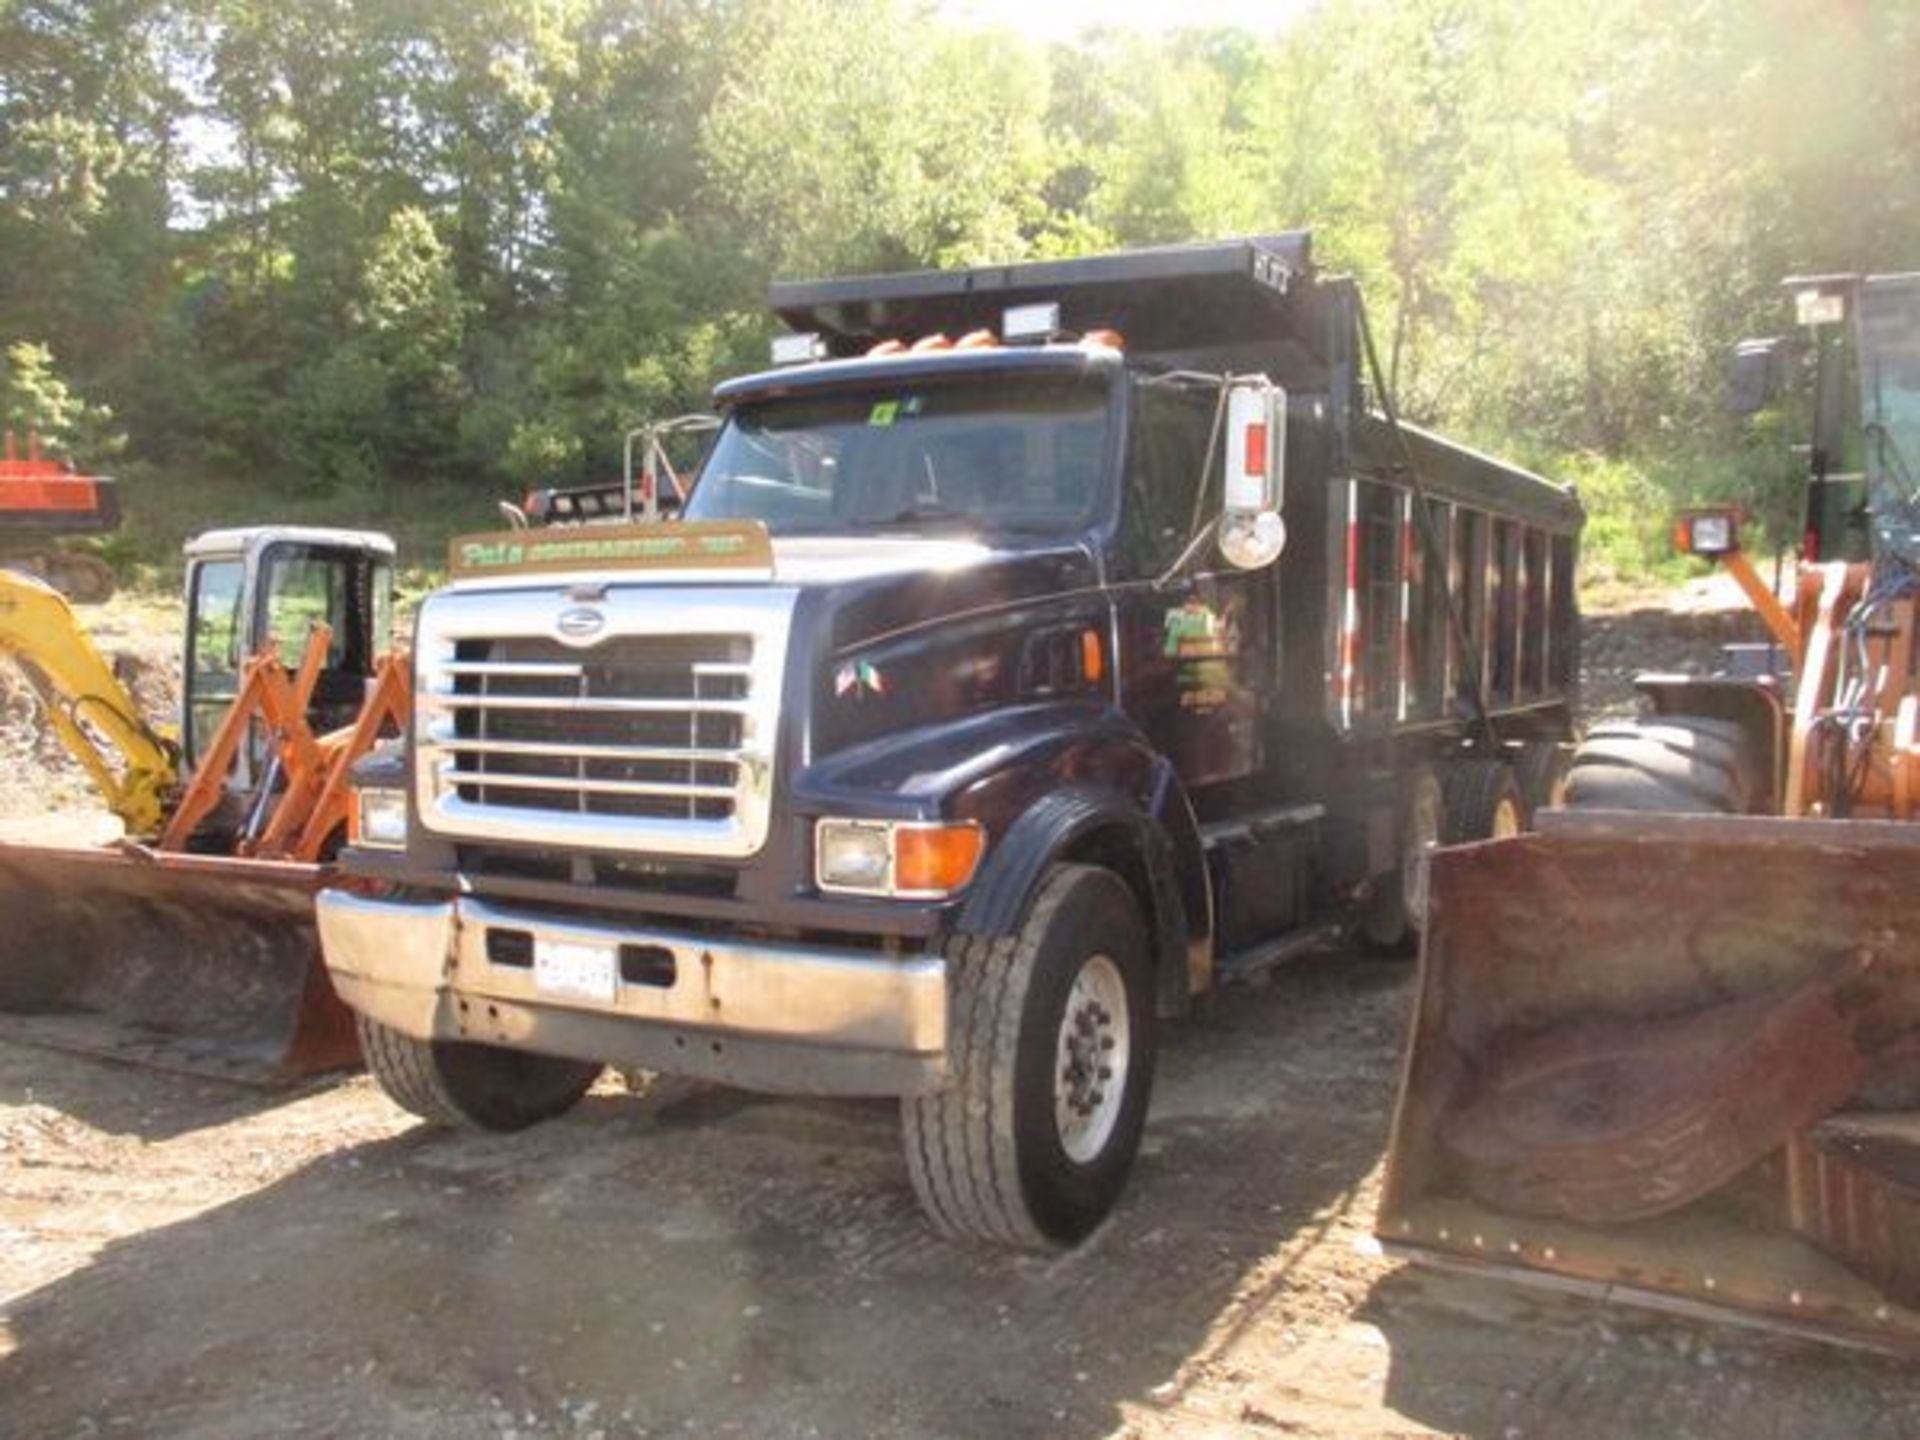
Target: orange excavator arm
310,808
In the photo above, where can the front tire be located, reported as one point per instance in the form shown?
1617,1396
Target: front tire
476,1087
1050,1055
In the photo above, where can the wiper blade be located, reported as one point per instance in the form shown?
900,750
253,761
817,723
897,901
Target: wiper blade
929,510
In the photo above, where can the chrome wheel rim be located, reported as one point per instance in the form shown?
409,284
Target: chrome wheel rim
1091,1059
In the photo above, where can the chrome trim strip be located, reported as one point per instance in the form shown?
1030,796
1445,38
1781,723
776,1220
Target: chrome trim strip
591,705
592,787
559,751
558,669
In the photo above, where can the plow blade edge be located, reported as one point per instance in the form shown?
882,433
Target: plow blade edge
1674,1059
200,964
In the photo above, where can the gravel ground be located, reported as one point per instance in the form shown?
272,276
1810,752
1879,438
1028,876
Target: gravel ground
182,1257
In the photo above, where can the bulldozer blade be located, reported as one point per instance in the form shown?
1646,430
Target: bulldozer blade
1675,1060
199,964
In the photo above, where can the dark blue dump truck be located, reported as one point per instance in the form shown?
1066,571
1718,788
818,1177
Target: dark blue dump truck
1039,648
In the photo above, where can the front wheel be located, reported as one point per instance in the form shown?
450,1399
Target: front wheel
1050,1056
480,1087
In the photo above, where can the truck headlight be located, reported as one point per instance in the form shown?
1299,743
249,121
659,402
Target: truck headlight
909,859
383,819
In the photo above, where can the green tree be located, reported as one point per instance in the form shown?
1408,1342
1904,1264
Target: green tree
36,401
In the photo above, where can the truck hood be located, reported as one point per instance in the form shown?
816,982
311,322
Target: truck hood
884,585
836,559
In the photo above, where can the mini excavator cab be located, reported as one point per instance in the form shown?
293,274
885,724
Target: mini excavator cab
251,587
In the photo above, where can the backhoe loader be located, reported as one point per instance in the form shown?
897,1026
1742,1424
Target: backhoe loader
191,943
1667,1049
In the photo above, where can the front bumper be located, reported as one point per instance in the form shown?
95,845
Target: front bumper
798,1019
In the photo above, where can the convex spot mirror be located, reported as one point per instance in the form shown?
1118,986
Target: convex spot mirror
1252,532
1756,378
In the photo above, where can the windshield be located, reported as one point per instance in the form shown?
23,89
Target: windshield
1009,454
1890,377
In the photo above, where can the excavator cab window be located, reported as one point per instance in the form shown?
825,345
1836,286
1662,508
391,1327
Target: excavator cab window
304,585
305,589
215,635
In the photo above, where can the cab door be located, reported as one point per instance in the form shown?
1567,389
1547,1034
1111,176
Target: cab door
1196,635
217,639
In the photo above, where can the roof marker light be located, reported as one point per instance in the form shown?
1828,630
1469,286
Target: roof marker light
801,349
1030,323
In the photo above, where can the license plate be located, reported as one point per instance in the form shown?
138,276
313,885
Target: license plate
565,967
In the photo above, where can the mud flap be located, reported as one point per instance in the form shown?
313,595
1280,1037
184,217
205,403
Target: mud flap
1645,1055
201,964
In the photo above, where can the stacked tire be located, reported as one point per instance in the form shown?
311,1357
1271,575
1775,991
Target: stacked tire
1666,764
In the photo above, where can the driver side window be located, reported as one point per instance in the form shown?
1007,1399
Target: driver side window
1167,497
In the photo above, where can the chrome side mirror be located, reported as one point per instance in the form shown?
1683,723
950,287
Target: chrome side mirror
1252,533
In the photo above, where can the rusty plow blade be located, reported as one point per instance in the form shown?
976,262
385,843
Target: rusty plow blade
1674,1060
200,964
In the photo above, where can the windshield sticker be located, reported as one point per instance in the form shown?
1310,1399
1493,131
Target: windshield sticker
883,412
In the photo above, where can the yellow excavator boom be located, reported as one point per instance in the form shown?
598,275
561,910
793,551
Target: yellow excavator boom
135,768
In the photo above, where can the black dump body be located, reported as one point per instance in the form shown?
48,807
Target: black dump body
1199,299
1367,579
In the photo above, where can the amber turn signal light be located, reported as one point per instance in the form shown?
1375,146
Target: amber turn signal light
913,858
936,859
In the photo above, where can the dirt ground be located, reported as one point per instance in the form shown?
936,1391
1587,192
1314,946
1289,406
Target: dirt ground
181,1257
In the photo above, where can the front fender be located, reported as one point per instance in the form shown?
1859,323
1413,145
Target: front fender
959,769
1048,782
1096,825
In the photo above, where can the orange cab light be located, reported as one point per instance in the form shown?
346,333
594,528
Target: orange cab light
1093,660
936,858
1112,339
887,347
977,340
929,342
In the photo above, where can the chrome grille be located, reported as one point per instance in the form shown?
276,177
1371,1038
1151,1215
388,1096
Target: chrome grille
657,736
